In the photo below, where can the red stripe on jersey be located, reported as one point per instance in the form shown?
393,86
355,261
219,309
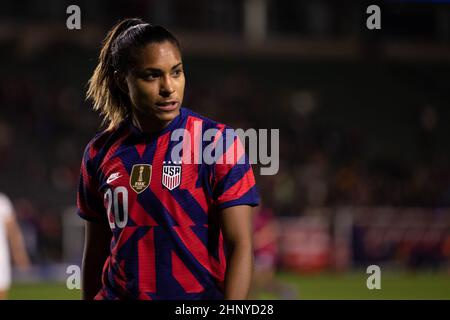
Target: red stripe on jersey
92,151
184,277
188,180
114,148
139,214
120,278
90,186
229,158
190,171
172,206
194,130
239,188
86,177
143,296
221,128
124,235
146,257
218,135
118,273
200,196
140,148
222,257
200,252
98,142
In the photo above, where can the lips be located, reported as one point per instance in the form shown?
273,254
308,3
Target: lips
167,105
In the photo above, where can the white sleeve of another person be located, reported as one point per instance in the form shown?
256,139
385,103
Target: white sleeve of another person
6,211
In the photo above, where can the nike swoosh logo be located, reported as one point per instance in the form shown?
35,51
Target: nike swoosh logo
113,177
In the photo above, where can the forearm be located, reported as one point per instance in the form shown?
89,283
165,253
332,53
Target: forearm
96,251
91,276
18,251
239,272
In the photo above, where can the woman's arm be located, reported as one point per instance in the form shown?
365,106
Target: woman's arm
96,250
237,232
18,250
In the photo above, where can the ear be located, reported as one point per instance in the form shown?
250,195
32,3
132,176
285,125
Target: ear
121,81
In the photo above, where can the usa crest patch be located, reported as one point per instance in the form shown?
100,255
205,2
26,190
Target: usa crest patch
171,174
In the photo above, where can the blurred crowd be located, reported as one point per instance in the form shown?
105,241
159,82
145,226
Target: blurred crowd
352,133
324,161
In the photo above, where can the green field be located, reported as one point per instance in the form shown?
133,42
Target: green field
43,291
323,286
353,286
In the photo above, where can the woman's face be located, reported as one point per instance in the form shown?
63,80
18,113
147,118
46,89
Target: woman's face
155,83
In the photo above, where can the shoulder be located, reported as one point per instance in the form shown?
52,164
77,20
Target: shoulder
214,134
6,207
97,147
207,123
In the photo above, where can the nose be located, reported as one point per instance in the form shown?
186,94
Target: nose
167,87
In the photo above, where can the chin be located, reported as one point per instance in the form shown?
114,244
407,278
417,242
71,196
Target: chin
154,113
167,115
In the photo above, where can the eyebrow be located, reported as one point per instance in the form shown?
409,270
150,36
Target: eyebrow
159,70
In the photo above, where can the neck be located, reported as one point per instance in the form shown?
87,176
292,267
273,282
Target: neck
147,124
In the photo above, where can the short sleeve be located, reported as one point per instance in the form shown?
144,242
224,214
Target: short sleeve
6,207
89,198
233,180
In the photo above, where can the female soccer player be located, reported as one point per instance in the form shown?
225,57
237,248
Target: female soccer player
160,226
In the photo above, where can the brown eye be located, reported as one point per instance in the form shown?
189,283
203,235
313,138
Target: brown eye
177,73
151,77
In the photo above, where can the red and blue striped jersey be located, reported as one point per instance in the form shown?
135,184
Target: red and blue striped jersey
163,212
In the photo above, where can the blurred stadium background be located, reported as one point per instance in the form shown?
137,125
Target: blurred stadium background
364,127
